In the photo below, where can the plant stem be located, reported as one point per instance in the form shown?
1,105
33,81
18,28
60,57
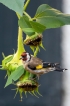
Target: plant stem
26,4
18,15
20,47
27,15
36,51
33,19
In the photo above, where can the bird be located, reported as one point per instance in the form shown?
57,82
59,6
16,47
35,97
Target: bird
37,66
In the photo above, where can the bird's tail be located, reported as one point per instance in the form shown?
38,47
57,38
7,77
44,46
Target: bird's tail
53,66
60,69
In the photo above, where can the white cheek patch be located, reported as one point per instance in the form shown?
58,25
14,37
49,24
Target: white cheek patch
28,57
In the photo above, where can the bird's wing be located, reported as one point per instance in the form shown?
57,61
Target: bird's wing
35,62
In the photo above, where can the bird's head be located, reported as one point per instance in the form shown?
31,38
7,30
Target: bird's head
25,56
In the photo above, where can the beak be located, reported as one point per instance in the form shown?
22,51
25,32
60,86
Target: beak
20,58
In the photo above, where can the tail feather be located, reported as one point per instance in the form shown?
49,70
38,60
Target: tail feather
60,69
47,64
53,66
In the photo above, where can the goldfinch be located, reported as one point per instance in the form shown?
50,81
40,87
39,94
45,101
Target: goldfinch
37,66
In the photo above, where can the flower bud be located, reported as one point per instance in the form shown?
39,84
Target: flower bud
34,40
12,63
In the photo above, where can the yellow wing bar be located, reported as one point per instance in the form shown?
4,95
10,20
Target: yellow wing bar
39,67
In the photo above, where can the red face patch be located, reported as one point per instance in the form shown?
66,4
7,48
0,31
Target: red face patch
24,56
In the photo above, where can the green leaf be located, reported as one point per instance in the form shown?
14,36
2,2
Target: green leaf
15,5
25,25
41,9
42,46
7,59
50,17
30,27
3,55
15,75
37,26
28,31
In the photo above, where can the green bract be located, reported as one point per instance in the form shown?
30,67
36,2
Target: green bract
12,63
25,86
